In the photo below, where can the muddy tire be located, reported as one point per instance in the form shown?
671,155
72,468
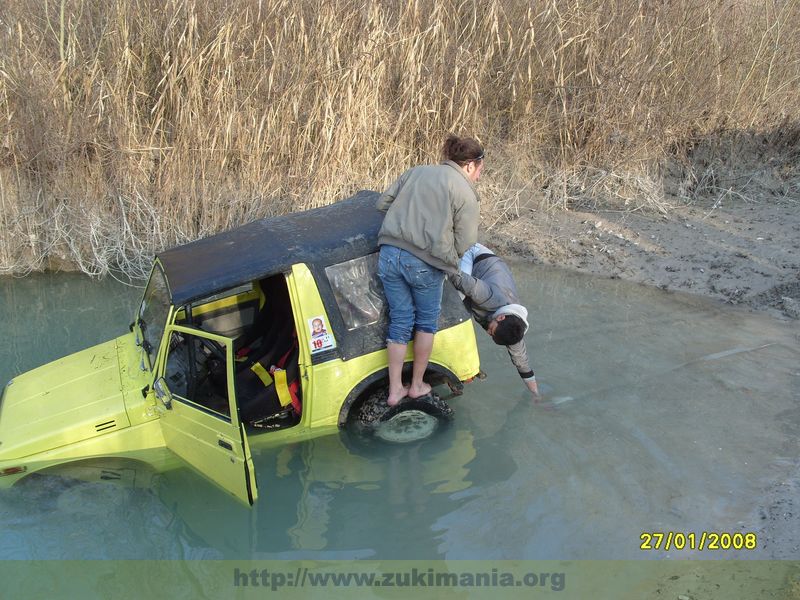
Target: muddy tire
411,420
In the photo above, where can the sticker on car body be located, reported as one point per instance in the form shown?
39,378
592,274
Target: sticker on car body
321,338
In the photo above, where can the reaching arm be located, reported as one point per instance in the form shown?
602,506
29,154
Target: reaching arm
519,356
465,225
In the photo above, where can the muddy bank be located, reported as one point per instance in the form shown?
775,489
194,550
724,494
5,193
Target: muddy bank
744,252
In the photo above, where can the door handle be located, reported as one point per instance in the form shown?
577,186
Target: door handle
225,445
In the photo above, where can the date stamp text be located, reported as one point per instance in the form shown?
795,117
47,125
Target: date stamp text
705,540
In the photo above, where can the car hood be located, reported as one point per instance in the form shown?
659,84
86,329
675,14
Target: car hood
63,402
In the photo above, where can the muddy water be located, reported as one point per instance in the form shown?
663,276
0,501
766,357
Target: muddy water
659,413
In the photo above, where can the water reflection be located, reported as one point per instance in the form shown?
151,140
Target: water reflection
337,496
658,412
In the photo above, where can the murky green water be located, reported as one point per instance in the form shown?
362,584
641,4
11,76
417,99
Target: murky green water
660,412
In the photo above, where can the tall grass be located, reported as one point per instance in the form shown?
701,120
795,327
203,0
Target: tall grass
130,125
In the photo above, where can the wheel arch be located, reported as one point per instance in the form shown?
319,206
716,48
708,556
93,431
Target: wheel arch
435,374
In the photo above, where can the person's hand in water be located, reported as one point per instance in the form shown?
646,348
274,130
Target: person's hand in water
534,388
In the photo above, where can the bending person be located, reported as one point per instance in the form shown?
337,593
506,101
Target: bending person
431,219
490,294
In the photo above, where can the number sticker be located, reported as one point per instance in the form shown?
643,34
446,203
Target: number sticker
321,338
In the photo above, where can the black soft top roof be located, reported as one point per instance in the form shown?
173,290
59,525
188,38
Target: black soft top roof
323,236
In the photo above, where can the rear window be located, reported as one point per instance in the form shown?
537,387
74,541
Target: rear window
358,291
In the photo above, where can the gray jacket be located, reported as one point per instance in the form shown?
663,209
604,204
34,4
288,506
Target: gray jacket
489,291
432,212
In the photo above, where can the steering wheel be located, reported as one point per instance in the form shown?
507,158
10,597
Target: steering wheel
214,363
216,349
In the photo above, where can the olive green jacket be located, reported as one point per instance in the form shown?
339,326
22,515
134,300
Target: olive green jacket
432,212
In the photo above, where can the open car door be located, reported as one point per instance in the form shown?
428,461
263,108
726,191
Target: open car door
199,416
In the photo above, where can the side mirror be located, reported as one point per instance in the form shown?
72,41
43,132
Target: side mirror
162,393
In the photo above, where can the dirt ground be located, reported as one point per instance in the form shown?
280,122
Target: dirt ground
737,251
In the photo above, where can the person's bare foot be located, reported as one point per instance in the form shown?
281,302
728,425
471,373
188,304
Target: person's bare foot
419,391
396,395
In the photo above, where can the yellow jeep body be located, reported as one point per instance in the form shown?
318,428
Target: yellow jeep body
175,383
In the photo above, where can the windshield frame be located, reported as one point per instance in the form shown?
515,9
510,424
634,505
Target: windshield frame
153,314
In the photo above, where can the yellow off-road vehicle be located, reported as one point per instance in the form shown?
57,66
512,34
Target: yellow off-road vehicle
265,334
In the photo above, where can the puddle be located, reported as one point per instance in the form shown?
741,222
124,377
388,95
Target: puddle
658,412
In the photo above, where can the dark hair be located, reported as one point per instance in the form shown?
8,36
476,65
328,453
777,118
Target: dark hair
461,150
509,331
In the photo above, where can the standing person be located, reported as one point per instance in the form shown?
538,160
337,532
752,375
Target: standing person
431,219
491,296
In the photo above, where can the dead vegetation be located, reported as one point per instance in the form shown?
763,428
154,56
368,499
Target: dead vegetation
129,126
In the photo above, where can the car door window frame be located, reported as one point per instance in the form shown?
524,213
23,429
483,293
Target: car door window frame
233,417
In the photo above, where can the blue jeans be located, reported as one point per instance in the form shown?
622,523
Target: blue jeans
413,291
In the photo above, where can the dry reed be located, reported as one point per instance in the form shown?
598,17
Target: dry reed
127,126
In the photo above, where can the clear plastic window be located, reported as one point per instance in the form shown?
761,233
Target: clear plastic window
358,291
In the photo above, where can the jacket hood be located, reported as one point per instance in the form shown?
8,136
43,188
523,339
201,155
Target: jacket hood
513,309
